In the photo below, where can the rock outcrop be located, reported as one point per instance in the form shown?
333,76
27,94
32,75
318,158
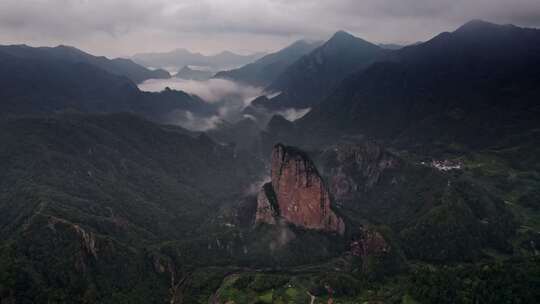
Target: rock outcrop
87,239
297,193
359,168
267,208
369,243
376,256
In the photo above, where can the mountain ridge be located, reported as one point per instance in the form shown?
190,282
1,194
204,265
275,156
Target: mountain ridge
414,175
117,66
316,74
265,70
190,74
450,70
182,57
38,83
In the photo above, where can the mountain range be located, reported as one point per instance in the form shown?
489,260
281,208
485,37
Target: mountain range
264,71
413,177
316,74
119,66
473,87
88,194
188,73
48,80
182,57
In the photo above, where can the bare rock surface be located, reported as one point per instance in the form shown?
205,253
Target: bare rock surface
297,193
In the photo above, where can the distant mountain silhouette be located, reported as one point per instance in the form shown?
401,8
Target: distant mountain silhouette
425,161
391,46
314,76
191,74
41,80
265,70
119,66
475,86
183,57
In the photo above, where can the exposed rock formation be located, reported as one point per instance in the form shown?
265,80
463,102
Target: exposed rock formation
87,239
164,265
360,167
297,193
369,243
267,208
376,256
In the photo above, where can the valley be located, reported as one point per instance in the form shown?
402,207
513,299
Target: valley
325,172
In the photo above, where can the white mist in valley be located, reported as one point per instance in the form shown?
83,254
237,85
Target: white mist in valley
191,121
294,114
212,90
228,97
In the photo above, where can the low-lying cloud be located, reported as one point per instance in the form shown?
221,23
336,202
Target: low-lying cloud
256,186
212,91
193,122
262,116
293,114
228,97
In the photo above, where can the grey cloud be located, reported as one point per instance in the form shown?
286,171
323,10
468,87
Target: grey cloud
117,27
68,18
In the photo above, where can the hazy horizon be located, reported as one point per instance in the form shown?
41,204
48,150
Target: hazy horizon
122,28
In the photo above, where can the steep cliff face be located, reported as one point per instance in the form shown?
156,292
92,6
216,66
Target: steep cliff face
358,168
297,193
267,208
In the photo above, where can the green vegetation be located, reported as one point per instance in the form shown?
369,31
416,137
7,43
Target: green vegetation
88,201
513,281
116,209
94,214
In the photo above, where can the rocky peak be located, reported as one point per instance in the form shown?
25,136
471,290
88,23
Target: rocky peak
297,193
342,39
267,207
340,35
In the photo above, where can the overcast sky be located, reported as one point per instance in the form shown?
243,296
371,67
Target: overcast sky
125,27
